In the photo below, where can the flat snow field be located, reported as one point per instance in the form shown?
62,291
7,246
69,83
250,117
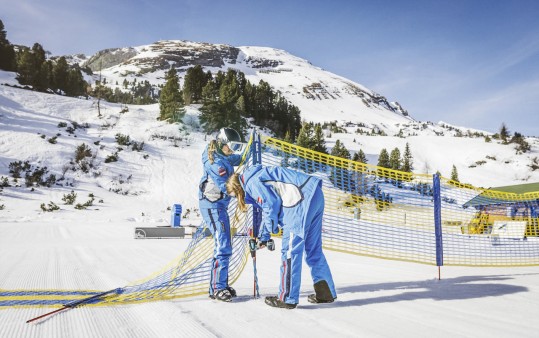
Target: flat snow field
376,298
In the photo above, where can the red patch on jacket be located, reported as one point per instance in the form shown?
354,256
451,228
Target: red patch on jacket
259,200
222,171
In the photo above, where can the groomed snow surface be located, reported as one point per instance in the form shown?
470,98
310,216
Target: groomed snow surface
95,249
376,298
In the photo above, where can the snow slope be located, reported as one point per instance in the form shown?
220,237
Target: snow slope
95,248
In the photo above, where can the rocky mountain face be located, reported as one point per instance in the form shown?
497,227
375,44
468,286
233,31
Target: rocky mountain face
163,54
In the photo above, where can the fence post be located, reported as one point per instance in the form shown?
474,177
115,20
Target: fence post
257,148
257,212
438,221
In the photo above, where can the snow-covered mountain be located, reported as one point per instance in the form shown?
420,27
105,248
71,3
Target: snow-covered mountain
321,95
46,130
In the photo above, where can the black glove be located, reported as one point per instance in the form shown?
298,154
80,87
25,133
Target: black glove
254,245
270,244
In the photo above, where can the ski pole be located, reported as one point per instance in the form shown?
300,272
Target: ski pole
252,248
75,304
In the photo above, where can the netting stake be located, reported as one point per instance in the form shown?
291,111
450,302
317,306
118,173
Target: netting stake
74,304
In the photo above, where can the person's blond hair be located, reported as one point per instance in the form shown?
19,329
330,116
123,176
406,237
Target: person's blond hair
212,148
233,186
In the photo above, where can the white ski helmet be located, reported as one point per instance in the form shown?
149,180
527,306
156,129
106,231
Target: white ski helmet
231,138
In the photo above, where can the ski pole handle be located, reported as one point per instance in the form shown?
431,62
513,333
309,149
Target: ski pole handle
253,246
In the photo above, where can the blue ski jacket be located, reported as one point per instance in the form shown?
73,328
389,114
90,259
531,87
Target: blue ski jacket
283,194
212,188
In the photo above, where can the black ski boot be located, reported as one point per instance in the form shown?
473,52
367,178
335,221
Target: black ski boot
276,302
322,293
222,295
232,291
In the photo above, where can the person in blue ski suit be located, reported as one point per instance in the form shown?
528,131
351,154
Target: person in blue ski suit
295,202
218,160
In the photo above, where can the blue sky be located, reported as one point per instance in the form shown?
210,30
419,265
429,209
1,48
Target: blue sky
471,63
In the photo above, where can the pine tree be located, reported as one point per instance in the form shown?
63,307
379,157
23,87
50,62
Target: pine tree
286,156
25,68
304,140
383,159
360,157
340,150
34,69
395,159
170,101
522,145
294,121
340,177
195,79
288,138
75,86
305,136
229,95
319,141
7,53
504,133
210,117
43,75
407,160
210,92
454,174
60,75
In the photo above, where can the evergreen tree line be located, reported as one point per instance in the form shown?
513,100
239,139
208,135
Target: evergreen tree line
395,161
228,99
35,70
504,135
142,92
311,136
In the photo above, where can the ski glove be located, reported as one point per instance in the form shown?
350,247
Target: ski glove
270,244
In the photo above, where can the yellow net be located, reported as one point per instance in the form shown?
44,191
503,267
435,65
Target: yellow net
369,211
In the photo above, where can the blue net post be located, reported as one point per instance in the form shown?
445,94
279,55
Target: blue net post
176,215
257,212
438,221
256,149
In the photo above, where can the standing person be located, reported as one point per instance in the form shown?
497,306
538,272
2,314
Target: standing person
218,161
294,201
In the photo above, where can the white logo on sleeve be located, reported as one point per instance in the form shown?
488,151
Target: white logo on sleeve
290,194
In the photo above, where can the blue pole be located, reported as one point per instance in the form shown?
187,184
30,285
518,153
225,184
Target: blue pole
438,221
257,149
257,212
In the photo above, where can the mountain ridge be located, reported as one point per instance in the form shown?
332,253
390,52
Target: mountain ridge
302,84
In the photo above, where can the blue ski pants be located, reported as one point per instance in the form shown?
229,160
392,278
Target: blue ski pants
218,223
293,248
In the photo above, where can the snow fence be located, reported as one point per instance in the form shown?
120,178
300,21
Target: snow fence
370,211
